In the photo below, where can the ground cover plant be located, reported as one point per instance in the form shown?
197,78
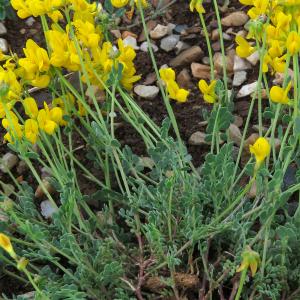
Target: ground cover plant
122,226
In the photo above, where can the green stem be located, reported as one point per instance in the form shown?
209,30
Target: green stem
241,285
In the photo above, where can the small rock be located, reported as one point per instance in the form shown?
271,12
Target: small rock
171,27
218,63
238,18
131,41
47,209
39,193
184,79
126,33
180,28
253,58
30,21
242,108
241,64
256,128
200,71
116,33
197,139
216,46
238,121
150,79
235,134
247,90
187,56
215,35
169,43
3,29
180,46
146,91
279,77
226,37
3,45
28,296
250,141
8,161
159,32
144,47
150,25
22,167
45,172
206,60
23,31
239,78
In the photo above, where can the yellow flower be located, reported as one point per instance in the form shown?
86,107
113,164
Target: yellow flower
9,78
7,246
64,53
280,95
208,91
167,74
293,42
22,264
250,259
144,3
35,63
21,7
247,2
31,129
119,3
85,31
48,119
14,129
174,92
244,49
197,5
30,107
261,150
260,8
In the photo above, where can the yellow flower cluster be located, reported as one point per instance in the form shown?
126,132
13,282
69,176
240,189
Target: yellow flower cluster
281,34
77,47
281,37
174,92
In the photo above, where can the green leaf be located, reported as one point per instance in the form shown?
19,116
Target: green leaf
297,126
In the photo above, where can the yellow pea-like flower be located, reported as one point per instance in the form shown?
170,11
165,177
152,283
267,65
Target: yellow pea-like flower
244,49
197,5
261,150
280,95
119,3
250,259
6,245
167,74
30,107
208,91
293,42
31,129
174,91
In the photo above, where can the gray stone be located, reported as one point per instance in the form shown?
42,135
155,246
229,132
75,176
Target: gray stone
47,209
144,47
169,43
187,56
8,161
131,41
3,45
197,139
239,78
180,46
247,90
146,91
159,31
3,29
